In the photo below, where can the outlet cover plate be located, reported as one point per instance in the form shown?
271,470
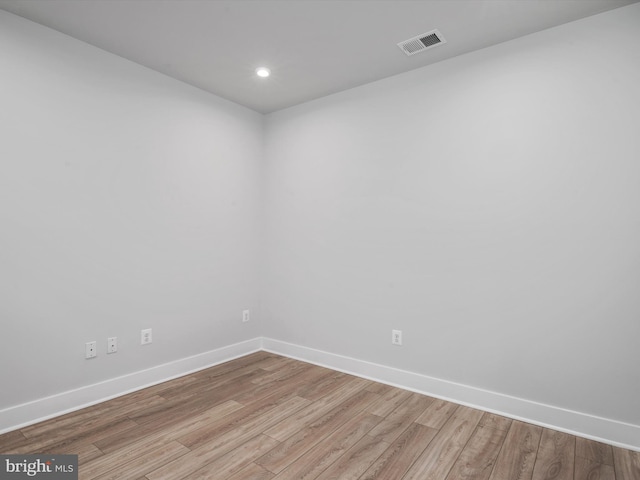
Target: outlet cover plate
90,350
396,337
145,336
112,344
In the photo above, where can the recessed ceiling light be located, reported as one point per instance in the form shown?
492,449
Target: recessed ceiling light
263,72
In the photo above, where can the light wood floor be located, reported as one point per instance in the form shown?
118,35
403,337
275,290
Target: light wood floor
267,417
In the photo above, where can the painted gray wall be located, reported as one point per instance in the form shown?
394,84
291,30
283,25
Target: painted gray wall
128,200
488,206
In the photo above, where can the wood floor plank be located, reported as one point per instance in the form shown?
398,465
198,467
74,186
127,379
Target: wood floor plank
220,445
214,383
12,440
179,407
85,451
518,454
256,361
626,463
437,414
327,451
46,442
556,456
283,374
293,384
479,455
492,420
248,415
356,460
144,463
389,402
315,410
325,385
297,444
218,380
252,472
65,445
177,430
401,417
140,447
442,452
235,460
379,388
130,453
396,460
589,470
277,363
595,451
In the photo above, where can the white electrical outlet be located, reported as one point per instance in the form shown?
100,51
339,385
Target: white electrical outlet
396,337
112,344
245,315
90,350
145,336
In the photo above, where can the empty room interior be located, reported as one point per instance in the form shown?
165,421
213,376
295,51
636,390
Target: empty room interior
321,239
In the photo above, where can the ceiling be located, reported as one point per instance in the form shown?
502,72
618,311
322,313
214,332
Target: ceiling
313,48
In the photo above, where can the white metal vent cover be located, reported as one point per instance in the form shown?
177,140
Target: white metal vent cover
422,42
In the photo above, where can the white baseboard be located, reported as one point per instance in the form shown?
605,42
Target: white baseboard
41,409
604,430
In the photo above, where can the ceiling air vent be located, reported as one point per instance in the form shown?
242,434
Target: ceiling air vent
422,42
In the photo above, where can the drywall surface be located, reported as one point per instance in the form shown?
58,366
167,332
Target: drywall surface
128,200
487,206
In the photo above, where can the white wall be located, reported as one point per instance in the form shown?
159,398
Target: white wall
128,200
488,206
